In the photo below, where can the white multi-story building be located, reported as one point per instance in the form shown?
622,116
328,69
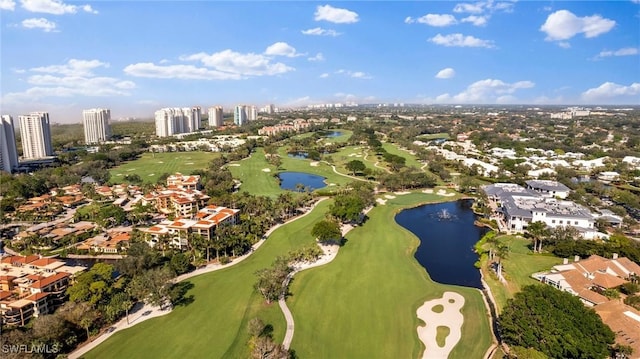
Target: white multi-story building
96,125
252,113
196,119
216,116
35,134
518,207
8,151
171,121
240,115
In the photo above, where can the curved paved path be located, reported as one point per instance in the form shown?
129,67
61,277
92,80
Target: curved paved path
147,311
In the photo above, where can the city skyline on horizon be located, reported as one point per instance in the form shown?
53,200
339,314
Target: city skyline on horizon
523,53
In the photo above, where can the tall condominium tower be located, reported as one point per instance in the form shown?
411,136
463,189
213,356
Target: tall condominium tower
252,113
35,135
216,116
8,151
96,125
240,115
196,118
171,121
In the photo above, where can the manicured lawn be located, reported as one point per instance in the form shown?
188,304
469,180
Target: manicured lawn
344,136
363,304
520,263
433,136
254,180
151,165
350,153
411,160
214,325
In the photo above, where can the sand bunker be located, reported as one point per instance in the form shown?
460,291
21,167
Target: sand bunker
234,164
389,196
266,170
450,317
152,174
401,193
131,169
427,190
332,184
442,192
314,164
189,163
381,201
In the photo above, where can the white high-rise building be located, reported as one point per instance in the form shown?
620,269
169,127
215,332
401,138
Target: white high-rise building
8,151
171,121
216,116
96,122
195,119
252,113
240,115
35,134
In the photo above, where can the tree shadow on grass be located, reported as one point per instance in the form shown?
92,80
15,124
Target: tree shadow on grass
178,294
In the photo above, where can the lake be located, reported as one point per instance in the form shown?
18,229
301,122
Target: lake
447,236
289,180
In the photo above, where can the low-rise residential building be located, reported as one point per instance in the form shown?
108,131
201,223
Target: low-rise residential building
109,243
204,224
588,279
31,286
191,182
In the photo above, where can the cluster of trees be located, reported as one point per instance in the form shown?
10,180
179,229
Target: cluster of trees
348,205
554,323
261,343
272,281
407,179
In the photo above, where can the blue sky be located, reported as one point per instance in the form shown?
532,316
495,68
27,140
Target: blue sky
135,57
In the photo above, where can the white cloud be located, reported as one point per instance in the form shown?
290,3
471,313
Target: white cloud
476,20
627,51
73,68
7,5
438,20
563,25
39,23
355,74
317,57
612,91
335,15
460,40
564,44
473,8
55,7
249,64
487,91
282,49
446,73
73,79
324,75
486,6
409,20
183,72
318,31
223,65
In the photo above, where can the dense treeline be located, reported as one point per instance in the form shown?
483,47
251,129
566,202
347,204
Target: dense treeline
554,323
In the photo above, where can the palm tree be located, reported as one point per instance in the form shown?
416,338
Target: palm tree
502,253
538,231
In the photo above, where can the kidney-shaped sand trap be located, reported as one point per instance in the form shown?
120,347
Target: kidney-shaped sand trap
443,312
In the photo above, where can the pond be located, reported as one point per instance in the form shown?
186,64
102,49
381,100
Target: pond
447,236
289,180
298,155
332,134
